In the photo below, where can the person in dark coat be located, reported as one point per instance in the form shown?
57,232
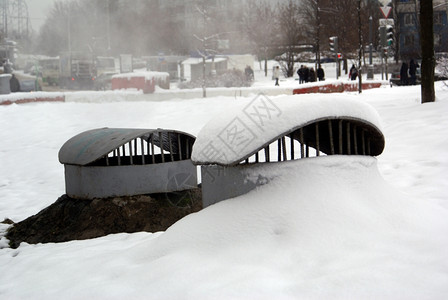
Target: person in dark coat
249,73
353,73
320,73
404,74
312,75
413,72
14,84
306,74
300,72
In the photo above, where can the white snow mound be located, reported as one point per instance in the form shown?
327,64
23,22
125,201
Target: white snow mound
345,222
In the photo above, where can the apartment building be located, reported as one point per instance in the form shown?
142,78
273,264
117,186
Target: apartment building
407,27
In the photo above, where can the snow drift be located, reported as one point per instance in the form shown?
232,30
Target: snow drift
321,222
326,227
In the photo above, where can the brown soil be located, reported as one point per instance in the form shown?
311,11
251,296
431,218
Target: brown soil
74,219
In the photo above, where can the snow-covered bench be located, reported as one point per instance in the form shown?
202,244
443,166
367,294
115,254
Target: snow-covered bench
108,162
231,146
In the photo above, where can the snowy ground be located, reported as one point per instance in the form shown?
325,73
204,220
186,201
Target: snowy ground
326,228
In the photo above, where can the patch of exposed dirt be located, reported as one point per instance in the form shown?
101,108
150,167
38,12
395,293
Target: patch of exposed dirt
75,219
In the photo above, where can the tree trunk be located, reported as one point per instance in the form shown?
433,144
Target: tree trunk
266,67
397,31
427,46
360,49
204,92
317,64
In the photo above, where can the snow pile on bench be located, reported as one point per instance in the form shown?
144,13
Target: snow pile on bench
235,134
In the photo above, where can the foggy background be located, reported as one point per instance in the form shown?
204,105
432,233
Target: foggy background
150,27
37,11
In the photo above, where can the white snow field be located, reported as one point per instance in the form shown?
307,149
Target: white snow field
329,227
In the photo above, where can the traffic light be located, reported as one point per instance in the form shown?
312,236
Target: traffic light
383,39
339,56
390,35
333,44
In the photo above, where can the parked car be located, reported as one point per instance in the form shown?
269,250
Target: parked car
104,81
324,60
29,85
395,77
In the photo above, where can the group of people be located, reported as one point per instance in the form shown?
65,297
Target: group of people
408,74
305,74
309,75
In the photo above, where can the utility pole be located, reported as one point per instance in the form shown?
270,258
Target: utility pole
317,35
69,37
427,46
370,68
108,26
360,49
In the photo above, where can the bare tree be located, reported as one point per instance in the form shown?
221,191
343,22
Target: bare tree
53,36
207,38
427,46
311,11
361,47
75,25
397,30
260,24
442,66
325,18
104,25
291,24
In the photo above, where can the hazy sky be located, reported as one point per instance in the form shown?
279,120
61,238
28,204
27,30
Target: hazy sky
37,10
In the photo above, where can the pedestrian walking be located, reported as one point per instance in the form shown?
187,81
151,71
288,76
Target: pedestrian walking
306,74
404,74
14,84
413,72
249,73
353,73
301,74
312,75
320,73
277,75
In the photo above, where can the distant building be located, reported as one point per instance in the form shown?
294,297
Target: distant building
193,67
408,29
